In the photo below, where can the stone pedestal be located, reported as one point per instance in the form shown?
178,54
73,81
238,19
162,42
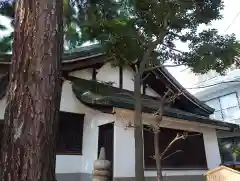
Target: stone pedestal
101,167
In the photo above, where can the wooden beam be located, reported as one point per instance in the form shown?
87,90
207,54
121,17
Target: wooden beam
120,77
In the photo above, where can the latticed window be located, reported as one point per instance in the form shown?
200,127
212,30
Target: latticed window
70,133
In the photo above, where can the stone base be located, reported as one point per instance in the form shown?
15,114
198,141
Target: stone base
74,177
88,177
168,178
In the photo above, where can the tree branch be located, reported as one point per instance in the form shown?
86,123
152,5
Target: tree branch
171,154
145,77
163,98
178,137
153,45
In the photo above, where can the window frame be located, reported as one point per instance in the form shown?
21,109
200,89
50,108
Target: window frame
234,140
221,109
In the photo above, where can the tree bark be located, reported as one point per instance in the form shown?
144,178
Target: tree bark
33,102
138,134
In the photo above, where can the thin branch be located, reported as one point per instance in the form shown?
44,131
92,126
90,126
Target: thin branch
178,137
162,101
171,154
172,98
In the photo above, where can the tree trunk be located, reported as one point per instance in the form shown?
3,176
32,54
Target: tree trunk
138,134
28,152
157,156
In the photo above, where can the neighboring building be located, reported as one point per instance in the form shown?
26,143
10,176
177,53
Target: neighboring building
97,106
224,98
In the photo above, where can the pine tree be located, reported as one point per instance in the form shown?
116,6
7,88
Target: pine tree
31,115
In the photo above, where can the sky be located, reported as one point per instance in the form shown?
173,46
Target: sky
6,22
229,24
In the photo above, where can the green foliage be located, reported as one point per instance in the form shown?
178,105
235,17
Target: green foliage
211,51
71,30
135,30
138,24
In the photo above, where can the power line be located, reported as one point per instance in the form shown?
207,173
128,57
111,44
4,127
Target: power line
232,21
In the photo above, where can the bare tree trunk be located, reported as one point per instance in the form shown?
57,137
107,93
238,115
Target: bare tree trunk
138,134
157,156
28,152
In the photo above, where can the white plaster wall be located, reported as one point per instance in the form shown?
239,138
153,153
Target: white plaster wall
84,74
69,102
124,159
124,150
109,73
128,78
151,92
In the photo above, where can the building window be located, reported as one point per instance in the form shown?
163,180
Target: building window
229,149
226,107
182,154
70,133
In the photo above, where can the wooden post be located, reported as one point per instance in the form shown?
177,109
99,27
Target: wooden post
101,167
